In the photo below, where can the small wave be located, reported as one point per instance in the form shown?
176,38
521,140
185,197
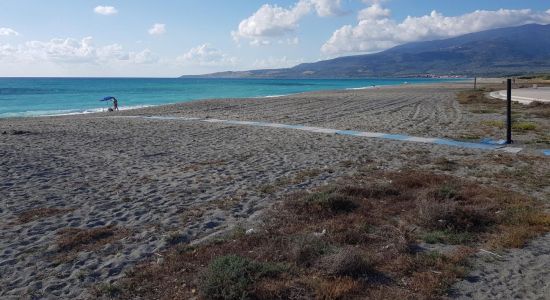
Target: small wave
361,88
275,96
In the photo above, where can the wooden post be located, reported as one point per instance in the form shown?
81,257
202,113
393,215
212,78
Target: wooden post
475,83
509,113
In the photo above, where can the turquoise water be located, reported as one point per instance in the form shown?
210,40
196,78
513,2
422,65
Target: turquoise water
23,97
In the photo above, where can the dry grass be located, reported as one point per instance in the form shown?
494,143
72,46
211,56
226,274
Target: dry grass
40,213
351,240
541,110
477,98
516,126
77,239
530,122
445,164
520,125
477,101
494,123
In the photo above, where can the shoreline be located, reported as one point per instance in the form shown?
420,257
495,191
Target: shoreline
136,107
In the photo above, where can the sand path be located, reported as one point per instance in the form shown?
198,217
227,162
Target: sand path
517,274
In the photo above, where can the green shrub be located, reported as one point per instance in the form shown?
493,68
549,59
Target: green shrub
448,237
306,248
331,201
447,192
232,277
494,123
524,126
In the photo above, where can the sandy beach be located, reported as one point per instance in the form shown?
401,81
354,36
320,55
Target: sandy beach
154,183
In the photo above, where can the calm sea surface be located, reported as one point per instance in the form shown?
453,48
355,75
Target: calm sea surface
62,96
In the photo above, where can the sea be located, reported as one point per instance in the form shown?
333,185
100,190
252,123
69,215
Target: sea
32,97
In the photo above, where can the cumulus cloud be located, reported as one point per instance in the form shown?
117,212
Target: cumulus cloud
274,21
105,10
7,51
72,51
374,11
206,55
376,31
144,57
8,32
326,8
157,29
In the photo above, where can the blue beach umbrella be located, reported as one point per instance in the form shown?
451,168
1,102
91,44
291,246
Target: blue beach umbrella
109,98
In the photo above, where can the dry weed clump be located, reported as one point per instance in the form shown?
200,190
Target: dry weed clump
349,261
77,239
357,239
305,249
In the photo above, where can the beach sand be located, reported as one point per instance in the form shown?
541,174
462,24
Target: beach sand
160,182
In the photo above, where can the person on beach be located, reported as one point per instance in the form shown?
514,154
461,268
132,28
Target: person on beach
115,104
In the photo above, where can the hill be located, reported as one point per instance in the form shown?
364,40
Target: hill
497,52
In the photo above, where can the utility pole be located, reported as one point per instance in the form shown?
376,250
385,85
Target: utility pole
509,113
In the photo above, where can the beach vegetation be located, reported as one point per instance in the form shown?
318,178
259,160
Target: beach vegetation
445,164
305,249
78,239
268,189
486,111
494,123
447,191
539,109
107,290
470,137
357,238
524,126
447,237
330,201
175,237
237,232
517,125
478,99
348,261
233,277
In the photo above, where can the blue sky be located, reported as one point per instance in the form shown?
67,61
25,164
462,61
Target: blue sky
169,38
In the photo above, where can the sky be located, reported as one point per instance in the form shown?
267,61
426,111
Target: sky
169,38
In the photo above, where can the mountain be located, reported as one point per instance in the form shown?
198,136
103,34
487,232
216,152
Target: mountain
497,52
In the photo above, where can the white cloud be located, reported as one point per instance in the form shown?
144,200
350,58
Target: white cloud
376,31
326,8
274,21
157,29
144,57
374,11
7,51
8,32
74,52
105,10
205,55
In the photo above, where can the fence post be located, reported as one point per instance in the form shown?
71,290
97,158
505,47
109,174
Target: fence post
475,83
509,113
